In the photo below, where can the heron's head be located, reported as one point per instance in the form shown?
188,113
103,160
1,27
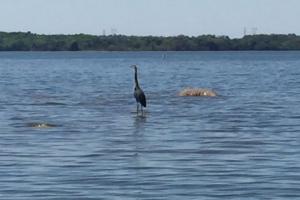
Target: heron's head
134,67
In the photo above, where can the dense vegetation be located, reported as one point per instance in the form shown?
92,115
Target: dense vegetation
20,41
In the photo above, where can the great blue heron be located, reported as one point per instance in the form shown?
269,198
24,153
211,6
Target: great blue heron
138,92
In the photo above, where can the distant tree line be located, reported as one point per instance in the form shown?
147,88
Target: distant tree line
27,41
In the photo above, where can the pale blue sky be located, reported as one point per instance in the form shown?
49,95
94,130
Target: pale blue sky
151,17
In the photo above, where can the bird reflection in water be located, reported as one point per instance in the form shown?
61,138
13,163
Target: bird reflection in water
139,124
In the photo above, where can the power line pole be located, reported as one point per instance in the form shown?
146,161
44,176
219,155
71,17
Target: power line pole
245,31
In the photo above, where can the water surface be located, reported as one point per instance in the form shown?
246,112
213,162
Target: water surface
242,144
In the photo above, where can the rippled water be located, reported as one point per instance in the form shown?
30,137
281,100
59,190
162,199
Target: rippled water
68,127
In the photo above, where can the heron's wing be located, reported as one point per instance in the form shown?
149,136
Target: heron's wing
143,99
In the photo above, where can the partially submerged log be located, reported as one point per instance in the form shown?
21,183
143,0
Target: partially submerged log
197,92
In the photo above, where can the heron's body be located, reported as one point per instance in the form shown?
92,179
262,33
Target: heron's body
138,92
140,96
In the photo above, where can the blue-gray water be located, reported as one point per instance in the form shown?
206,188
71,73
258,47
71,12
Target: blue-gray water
244,144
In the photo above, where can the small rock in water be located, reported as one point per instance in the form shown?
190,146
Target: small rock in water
197,92
41,125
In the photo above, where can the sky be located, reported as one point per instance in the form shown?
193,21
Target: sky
151,17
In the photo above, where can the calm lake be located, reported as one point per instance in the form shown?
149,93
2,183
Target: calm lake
243,144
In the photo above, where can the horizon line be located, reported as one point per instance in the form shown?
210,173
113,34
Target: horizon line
132,35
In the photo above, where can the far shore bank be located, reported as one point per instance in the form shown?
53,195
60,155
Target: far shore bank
27,41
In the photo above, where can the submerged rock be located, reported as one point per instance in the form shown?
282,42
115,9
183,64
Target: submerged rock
41,125
197,92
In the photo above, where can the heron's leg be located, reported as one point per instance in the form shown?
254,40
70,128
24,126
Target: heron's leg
142,110
137,108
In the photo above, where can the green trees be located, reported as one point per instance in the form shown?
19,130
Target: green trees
27,41
74,47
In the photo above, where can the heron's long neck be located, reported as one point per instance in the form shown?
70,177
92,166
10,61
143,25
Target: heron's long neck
136,79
